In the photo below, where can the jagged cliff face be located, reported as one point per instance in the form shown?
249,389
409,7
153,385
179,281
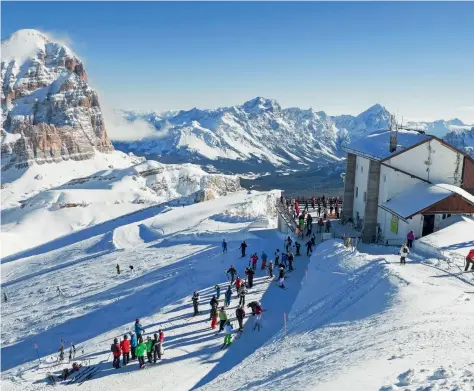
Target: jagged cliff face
49,112
462,139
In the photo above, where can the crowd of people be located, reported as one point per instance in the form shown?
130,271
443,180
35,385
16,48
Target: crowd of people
135,348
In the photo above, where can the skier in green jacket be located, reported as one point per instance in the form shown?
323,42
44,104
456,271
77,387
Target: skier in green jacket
149,348
222,319
140,352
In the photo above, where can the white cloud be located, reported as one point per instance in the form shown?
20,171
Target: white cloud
119,129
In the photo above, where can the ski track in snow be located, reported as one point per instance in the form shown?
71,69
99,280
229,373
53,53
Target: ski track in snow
356,321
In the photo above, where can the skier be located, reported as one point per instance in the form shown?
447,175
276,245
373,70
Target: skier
116,351
243,247
270,269
133,344
320,225
284,260
291,258
240,315
131,269
242,293
312,203
228,296
470,260
228,334
309,248
218,291
319,209
330,209
125,346
149,349
195,300
404,254
214,301
161,337
254,260
264,260
253,305
277,257
222,319
224,246
213,317
156,348
58,289
309,224
139,329
238,282
5,297
410,239
140,351
288,244
118,268
298,247
258,317
328,225
301,222
250,273
313,240
233,271
282,277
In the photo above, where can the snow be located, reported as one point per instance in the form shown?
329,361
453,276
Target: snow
22,45
421,196
376,145
356,320
363,322
93,199
457,238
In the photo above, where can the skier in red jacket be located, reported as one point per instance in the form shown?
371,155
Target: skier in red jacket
116,351
125,346
470,260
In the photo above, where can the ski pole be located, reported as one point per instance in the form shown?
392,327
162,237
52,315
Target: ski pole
37,352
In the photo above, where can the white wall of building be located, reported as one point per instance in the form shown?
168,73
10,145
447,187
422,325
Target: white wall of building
414,224
361,181
445,167
393,182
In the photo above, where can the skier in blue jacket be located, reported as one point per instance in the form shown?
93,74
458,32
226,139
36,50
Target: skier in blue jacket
139,330
133,344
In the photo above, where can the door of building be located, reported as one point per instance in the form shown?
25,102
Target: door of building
428,224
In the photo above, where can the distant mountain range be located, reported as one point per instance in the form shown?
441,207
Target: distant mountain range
260,135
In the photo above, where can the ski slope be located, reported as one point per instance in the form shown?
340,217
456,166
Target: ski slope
356,320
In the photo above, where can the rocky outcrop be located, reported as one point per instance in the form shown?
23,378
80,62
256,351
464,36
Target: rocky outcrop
49,112
462,139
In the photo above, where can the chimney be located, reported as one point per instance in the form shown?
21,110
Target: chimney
393,134
393,141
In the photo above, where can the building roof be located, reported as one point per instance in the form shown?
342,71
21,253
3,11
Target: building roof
457,238
375,145
421,196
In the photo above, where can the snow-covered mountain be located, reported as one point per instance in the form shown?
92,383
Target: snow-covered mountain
371,120
49,112
256,135
462,139
440,128
259,135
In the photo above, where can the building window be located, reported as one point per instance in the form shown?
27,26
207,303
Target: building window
357,192
385,177
361,168
365,196
357,166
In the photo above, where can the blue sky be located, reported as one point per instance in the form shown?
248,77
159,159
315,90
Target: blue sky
414,58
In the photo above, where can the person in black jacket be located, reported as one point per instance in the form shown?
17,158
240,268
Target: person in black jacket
214,301
195,300
298,247
253,305
232,271
309,248
291,258
250,273
240,315
243,247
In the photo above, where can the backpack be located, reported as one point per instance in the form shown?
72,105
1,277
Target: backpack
405,250
113,348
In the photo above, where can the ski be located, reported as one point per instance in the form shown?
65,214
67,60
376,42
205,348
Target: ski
80,375
51,378
89,376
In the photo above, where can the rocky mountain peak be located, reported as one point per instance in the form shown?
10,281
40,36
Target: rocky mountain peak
49,112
